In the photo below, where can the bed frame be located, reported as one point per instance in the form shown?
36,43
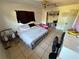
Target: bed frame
36,42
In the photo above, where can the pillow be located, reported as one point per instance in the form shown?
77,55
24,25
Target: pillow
24,27
32,24
19,24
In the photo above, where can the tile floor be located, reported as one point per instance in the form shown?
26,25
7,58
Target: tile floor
20,51
2,52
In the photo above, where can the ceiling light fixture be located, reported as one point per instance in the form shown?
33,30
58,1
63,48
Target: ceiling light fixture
44,3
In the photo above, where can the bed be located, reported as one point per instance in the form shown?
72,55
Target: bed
31,36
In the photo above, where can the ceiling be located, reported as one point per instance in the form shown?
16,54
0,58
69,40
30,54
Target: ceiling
37,2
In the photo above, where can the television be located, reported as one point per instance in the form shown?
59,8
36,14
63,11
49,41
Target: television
25,16
55,21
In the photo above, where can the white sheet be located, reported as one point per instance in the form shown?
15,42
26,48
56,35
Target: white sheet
31,35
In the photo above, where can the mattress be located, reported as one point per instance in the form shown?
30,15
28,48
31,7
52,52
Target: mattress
32,35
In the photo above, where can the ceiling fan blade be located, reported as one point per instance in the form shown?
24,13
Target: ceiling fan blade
47,3
52,4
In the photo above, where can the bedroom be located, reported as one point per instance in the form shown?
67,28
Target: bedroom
8,16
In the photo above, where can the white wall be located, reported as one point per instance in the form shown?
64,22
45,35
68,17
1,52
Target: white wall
44,14
8,15
67,15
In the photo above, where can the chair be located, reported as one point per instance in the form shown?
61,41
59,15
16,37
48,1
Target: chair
6,36
61,42
56,47
52,55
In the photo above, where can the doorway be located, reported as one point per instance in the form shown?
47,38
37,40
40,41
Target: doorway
52,18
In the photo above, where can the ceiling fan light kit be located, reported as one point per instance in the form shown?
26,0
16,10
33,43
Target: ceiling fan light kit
44,3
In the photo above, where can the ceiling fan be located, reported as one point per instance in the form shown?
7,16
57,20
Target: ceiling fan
46,3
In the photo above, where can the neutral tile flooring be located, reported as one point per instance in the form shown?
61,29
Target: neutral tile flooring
2,52
20,51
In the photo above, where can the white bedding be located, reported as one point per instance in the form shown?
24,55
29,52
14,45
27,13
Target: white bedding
32,34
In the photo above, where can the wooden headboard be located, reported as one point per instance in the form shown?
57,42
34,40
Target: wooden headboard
25,16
